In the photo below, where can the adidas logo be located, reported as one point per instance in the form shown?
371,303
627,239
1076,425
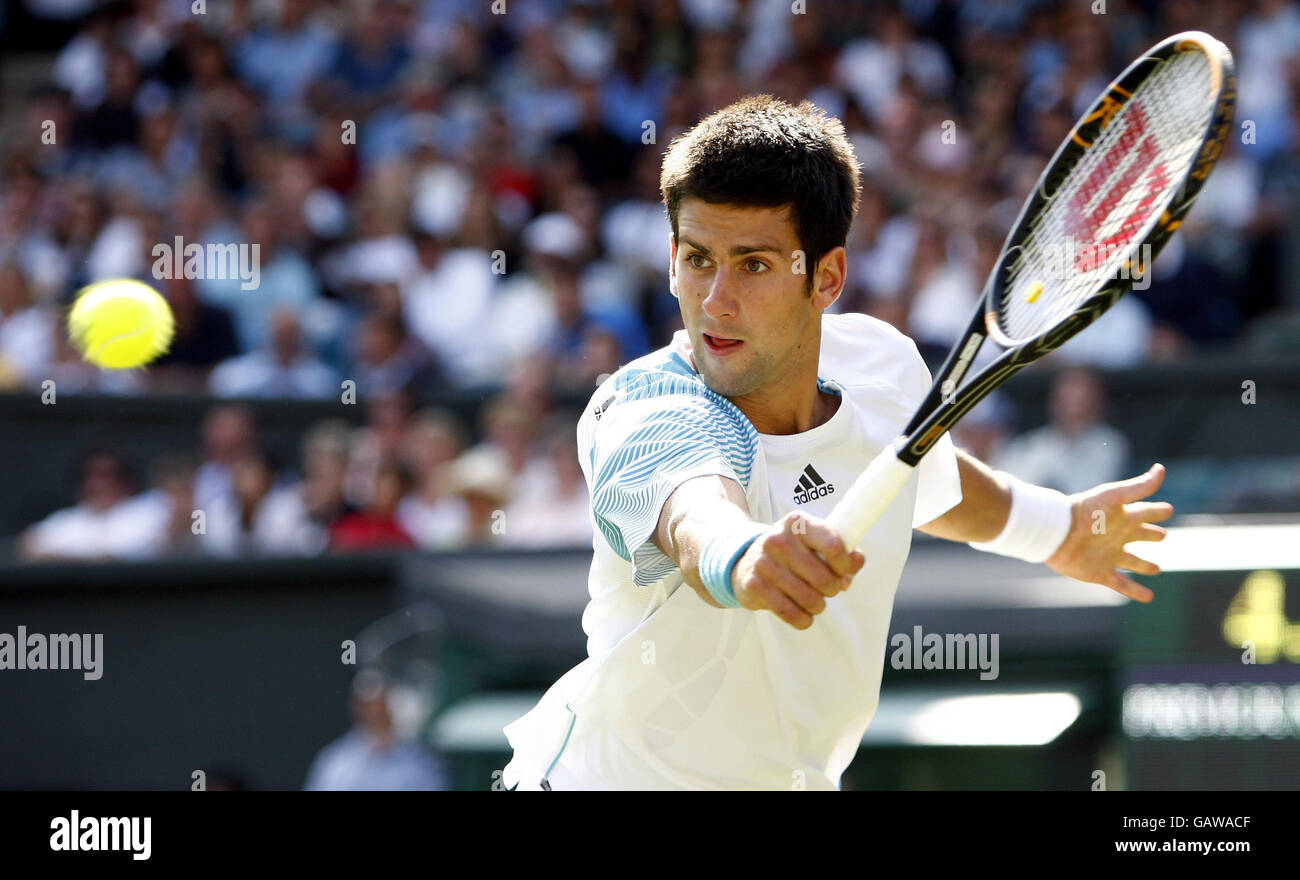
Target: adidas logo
600,410
811,486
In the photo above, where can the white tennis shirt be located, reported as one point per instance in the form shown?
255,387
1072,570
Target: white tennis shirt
676,693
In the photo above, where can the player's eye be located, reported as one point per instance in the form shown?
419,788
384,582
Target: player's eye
697,261
756,266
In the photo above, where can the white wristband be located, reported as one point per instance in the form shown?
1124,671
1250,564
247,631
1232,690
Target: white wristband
1037,525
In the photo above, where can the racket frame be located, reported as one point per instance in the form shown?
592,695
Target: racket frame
945,403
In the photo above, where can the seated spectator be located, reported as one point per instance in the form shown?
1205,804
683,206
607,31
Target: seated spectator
553,511
509,424
372,756
604,157
237,523
446,305
106,523
310,508
282,59
1076,449
873,66
388,358
264,516
112,120
1120,338
381,439
481,480
430,514
597,356
284,369
1190,301
199,215
205,336
154,168
587,341
26,340
369,60
948,284
376,526
80,65
284,281
298,516
523,319
228,432
171,505
635,231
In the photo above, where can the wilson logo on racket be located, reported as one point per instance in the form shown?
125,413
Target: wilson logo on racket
811,486
1085,224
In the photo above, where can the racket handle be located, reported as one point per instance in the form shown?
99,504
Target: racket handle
871,493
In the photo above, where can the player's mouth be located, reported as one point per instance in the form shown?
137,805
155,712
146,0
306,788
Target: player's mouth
721,346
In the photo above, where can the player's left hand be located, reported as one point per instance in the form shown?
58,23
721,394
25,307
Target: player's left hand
1105,519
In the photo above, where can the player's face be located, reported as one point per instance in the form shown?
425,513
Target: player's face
746,308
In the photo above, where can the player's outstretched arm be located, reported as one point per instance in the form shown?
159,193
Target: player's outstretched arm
790,568
984,506
1091,545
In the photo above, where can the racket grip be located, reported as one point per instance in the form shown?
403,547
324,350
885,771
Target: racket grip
871,493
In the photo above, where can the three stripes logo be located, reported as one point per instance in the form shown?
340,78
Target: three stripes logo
811,486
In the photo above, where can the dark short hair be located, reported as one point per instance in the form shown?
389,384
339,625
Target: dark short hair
400,470
764,152
94,453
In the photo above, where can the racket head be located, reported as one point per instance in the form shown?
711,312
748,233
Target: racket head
1114,192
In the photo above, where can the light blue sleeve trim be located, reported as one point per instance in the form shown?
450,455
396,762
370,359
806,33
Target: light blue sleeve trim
689,432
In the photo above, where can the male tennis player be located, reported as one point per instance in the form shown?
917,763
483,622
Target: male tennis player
733,640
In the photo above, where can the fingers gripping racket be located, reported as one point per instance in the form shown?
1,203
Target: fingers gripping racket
1110,198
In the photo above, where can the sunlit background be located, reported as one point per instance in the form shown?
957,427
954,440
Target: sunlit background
338,536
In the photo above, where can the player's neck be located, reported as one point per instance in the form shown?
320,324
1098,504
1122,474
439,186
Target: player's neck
793,408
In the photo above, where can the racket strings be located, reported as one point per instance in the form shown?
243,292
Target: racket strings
1091,225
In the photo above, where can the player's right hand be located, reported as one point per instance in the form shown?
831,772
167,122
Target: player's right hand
793,568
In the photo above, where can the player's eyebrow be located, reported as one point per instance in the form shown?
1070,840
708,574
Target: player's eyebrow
739,250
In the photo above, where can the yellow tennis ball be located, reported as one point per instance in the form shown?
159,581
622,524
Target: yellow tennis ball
120,323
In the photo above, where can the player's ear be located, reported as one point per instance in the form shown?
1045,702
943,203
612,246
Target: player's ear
672,264
828,280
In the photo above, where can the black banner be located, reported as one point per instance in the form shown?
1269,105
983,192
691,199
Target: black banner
997,829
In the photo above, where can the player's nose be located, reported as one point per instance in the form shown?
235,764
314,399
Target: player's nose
722,300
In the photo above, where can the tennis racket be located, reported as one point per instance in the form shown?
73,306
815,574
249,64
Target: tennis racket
1110,198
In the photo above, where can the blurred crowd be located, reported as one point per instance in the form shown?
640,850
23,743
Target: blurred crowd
440,193
406,479
409,478
445,199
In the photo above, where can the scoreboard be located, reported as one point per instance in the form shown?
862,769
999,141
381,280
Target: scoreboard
1211,668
